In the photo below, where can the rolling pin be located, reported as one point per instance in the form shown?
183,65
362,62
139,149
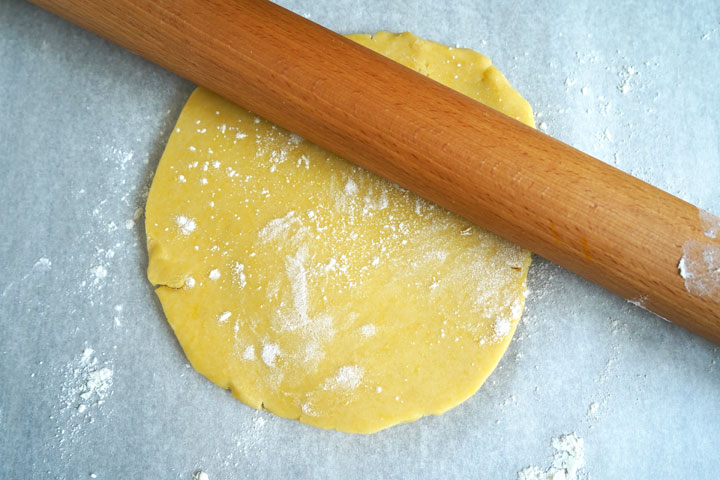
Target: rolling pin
607,226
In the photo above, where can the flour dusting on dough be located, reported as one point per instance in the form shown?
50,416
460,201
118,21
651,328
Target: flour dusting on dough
502,327
351,187
249,353
185,224
278,226
323,275
307,409
239,275
299,287
270,352
347,378
368,330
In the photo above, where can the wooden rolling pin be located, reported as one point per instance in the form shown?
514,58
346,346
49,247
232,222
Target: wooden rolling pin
613,229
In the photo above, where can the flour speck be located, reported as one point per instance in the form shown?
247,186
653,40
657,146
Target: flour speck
185,224
42,265
368,330
99,272
351,187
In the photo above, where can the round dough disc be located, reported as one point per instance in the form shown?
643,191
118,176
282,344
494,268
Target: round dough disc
317,290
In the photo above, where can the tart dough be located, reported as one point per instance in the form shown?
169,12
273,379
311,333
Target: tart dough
317,290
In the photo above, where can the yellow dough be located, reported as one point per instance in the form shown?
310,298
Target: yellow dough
320,291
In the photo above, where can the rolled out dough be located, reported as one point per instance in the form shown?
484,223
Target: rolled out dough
317,290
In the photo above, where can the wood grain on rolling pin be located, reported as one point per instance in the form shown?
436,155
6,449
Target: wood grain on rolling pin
595,220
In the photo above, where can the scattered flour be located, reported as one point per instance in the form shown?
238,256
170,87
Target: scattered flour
250,440
41,266
626,75
568,460
239,274
87,382
700,268
214,274
709,222
99,272
258,423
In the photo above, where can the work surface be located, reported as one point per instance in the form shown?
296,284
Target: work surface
93,382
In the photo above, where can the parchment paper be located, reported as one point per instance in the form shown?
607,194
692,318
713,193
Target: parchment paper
82,126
